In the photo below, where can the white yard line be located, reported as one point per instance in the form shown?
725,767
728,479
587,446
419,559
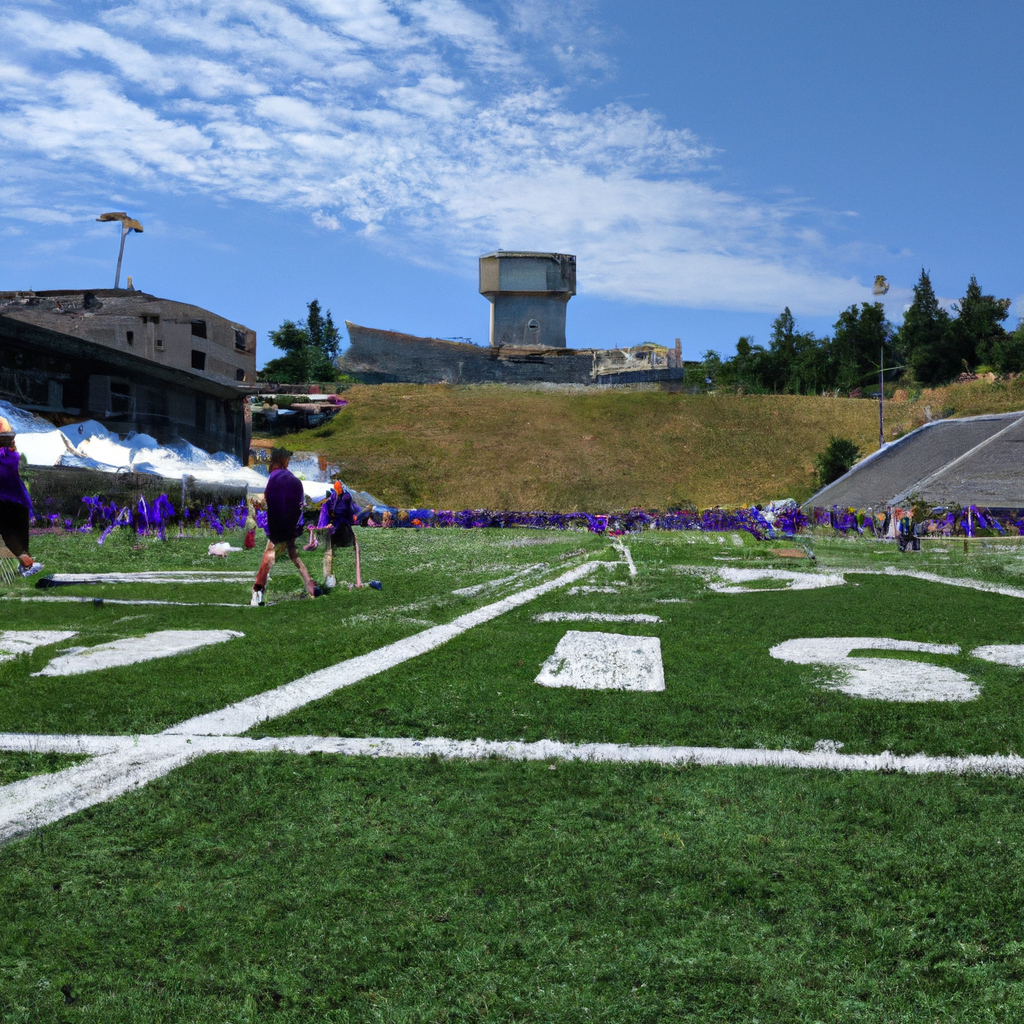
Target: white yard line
42,799
931,577
594,617
121,600
237,718
165,576
626,556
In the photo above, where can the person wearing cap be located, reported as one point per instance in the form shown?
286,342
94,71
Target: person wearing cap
284,496
15,504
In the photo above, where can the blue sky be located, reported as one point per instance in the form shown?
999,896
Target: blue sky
708,163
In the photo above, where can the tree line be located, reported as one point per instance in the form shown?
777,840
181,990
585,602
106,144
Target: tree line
930,347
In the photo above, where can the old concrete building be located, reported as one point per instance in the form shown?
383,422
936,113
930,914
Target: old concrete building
528,292
130,360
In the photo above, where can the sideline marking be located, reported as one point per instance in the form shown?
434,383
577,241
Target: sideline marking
122,600
69,579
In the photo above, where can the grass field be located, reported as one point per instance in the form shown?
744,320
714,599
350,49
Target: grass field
251,884
596,450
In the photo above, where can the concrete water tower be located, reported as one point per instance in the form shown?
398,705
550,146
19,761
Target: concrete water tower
528,292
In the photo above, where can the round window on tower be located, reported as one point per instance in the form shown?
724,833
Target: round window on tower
533,326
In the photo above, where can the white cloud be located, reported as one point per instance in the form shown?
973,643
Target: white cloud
426,123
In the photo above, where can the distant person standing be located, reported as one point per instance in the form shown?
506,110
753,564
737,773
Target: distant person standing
284,496
338,516
15,504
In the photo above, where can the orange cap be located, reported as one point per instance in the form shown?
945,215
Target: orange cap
337,487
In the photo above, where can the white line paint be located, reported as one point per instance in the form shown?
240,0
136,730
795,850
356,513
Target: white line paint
732,580
604,661
881,678
1001,654
626,555
575,591
593,617
135,649
931,577
24,641
166,576
237,718
42,799
478,588
118,600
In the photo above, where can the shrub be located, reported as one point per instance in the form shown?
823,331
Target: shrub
837,458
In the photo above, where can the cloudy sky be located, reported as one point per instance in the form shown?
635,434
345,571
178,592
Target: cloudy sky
708,163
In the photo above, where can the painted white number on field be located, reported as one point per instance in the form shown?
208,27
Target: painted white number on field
24,641
881,678
134,649
604,661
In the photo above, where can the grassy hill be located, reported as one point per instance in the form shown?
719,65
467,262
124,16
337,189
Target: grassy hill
496,446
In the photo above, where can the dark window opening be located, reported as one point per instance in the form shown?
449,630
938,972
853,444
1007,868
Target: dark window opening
120,396
198,328
198,359
239,374
240,340
160,344
130,335
151,319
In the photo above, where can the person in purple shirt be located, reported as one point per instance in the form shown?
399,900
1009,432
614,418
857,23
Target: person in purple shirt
284,496
15,504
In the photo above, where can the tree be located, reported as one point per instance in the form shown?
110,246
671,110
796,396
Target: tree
837,458
978,326
797,361
310,349
861,336
927,336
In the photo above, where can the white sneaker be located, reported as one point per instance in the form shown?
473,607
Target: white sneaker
257,599
330,583
30,570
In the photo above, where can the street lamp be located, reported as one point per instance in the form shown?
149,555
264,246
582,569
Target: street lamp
127,224
880,288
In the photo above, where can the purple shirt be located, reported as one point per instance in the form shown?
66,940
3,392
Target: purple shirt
285,496
11,487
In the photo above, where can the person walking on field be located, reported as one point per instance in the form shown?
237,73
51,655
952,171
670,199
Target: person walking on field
284,496
15,504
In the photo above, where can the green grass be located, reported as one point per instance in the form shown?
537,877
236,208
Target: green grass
601,449
14,766
336,889
331,889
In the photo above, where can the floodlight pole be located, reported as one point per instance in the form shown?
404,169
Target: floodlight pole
124,234
881,380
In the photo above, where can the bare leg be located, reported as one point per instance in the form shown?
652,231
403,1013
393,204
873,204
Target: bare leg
328,559
359,578
267,563
293,554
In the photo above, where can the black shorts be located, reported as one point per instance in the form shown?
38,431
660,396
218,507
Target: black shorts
343,537
14,527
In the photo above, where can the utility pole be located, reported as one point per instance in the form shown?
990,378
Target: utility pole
127,225
880,288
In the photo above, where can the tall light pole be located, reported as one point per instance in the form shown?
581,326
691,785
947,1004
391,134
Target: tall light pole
880,288
127,224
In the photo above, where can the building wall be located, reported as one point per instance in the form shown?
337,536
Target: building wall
528,292
129,365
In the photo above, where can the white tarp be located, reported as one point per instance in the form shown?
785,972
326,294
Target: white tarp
89,445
